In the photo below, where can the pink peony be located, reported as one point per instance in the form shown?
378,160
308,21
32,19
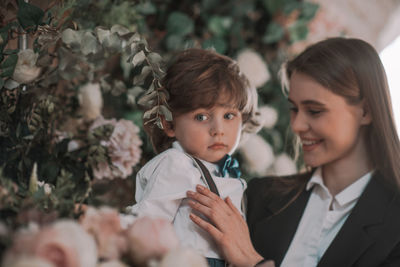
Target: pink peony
150,238
104,224
63,244
123,149
30,262
183,257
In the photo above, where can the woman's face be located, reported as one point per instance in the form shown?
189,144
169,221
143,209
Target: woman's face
328,127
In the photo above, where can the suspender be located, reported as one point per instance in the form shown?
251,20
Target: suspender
207,176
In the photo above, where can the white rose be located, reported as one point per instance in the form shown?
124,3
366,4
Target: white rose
257,154
26,70
91,100
254,67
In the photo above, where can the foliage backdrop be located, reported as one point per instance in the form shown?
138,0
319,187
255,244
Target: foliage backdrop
92,59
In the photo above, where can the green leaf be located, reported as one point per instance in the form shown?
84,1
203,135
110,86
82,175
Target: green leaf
154,58
138,58
29,15
146,8
89,44
217,43
174,42
298,31
166,112
179,24
308,10
273,6
10,51
273,34
71,37
4,37
219,26
8,65
291,6
139,79
1,83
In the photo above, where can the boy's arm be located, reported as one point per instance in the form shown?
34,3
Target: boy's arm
167,184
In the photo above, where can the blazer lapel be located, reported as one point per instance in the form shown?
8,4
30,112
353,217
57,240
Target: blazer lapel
353,238
273,235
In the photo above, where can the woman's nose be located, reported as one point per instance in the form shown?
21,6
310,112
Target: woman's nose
298,123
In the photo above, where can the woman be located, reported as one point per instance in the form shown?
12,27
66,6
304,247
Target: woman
346,210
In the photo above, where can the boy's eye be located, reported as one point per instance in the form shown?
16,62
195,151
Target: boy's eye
229,116
200,117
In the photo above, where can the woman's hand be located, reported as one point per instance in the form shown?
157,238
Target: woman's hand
228,227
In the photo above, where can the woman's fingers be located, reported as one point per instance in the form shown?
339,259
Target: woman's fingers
200,208
213,231
206,192
232,206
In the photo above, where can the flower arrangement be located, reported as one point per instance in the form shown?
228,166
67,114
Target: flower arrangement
98,239
70,123
56,137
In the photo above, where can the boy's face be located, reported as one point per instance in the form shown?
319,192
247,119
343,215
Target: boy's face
208,134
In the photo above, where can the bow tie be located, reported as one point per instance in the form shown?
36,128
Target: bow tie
229,165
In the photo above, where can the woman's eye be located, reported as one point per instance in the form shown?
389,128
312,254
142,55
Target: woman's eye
229,116
293,109
200,117
314,111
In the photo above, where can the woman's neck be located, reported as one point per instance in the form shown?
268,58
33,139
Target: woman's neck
340,174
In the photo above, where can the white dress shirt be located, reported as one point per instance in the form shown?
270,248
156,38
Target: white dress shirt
322,219
161,187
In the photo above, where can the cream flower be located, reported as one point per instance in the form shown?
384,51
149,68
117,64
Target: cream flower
150,238
183,257
123,149
26,70
91,100
284,165
268,116
257,154
104,224
254,67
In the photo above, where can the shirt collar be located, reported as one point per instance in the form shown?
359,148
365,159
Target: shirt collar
349,194
213,168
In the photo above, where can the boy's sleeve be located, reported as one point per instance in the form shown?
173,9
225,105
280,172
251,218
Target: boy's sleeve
166,187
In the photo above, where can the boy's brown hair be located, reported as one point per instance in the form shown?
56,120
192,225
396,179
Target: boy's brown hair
198,79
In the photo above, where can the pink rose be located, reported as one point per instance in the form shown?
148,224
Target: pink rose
123,149
150,238
183,257
63,244
104,224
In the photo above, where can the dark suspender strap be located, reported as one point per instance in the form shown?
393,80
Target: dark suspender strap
207,176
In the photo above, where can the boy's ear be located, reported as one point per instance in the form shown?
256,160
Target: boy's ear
168,127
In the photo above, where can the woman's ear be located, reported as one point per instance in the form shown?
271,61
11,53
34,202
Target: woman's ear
168,127
366,117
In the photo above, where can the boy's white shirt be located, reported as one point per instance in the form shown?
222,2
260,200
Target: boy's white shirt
161,187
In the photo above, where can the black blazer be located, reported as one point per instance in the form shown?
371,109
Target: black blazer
370,237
